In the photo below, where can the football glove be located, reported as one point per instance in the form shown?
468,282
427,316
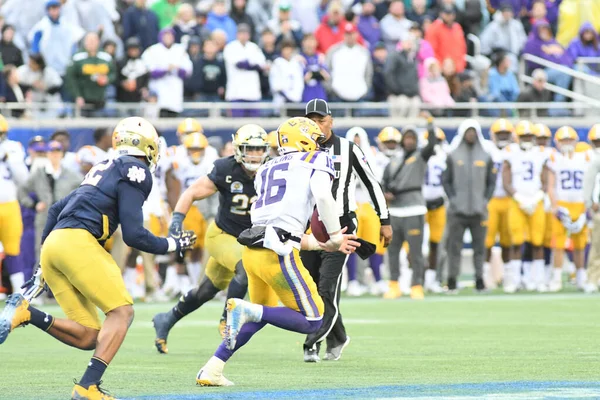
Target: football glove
578,225
35,286
562,214
183,241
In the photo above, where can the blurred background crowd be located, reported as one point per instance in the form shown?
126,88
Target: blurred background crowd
413,54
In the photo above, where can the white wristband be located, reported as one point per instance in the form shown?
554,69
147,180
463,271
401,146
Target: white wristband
172,244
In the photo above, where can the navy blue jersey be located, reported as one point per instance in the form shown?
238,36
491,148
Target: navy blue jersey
112,193
236,195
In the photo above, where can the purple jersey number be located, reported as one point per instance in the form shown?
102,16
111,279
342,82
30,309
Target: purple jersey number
267,195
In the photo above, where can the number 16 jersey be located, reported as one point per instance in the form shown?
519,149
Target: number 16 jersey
285,199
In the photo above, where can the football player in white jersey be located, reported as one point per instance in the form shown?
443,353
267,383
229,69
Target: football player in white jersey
591,186
194,166
435,198
368,222
13,173
522,180
501,134
88,156
388,141
288,188
566,168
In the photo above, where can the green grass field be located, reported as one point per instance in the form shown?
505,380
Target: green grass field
399,349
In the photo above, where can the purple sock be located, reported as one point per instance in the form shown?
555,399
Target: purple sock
288,319
247,331
375,262
351,265
13,265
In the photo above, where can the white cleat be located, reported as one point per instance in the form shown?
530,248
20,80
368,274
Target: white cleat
355,289
206,377
590,288
378,288
555,286
238,313
434,287
542,288
510,289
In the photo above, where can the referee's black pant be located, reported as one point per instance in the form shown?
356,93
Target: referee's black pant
326,270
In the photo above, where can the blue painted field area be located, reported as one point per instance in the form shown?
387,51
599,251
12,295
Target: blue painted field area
496,390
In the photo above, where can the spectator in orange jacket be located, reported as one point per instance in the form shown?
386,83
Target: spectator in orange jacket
447,39
331,29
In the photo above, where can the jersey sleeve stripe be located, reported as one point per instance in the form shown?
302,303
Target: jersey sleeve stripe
303,158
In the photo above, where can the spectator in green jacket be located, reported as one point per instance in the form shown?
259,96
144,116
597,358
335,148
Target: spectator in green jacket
166,11
90,72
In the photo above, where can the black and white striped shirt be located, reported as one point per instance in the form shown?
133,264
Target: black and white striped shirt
349,161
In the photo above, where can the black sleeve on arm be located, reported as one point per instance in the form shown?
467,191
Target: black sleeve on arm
447,178
369,180
490,184
53,214
131,200
432,140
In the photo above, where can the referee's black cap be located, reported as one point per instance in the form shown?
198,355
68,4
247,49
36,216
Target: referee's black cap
317,106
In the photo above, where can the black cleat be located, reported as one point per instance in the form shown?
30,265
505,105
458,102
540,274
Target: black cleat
479,285
162,326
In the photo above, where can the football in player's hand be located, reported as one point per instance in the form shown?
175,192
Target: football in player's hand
318,228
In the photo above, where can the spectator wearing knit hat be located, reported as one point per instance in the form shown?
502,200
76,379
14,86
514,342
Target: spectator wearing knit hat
447,38
434,89
169,64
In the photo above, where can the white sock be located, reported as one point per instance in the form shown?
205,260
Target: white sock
527,273
17,280
215,364
556,274
194,269
430,276
581,277
538,273
515,271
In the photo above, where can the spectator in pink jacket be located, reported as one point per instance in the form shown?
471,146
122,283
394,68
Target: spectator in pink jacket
424,49
433,88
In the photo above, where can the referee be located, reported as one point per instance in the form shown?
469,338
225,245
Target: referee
326,268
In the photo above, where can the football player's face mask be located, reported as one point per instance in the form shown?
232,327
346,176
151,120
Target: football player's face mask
567,146
196,155
502,139
390,147
526,142
253,156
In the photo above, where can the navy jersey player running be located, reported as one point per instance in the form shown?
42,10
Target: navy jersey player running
80,273
233,178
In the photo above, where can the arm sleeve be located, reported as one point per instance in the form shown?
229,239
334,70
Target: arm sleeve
369,180
23,194
490,183
131,200
447,177
589,182
53,214
432,140
325,201
35,42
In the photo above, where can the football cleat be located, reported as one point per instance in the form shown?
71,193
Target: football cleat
311,356
416,292
335,353
393,291
206,377
91,393
15,314
479,285
238,313
222,327
162,326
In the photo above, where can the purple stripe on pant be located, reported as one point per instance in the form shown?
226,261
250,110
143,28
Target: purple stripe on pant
291,284
305,286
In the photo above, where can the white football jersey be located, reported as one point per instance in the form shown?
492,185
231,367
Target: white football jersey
285,199
13,171
432,187
498,156
568,171
91,155
526,168
187,172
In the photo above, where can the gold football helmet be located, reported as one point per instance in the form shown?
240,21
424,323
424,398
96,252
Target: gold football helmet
189,125
582,147
134,136
439,133
3,128
525,132
299,134
565,138
272,139
195,143
250,138
389,139
501,132
593,135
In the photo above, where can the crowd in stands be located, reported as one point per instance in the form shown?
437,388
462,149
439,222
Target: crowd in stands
410,53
